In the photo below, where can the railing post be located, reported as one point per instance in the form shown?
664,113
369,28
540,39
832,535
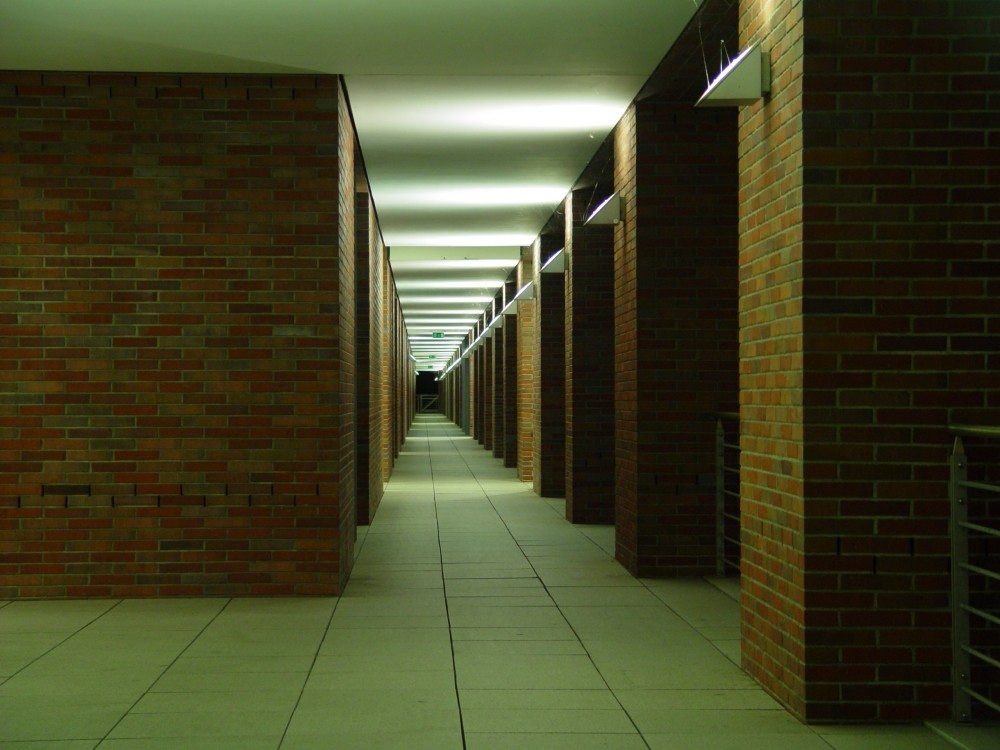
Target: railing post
720,499
960,634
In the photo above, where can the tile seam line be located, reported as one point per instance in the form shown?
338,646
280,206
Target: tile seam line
312,665
163,672
444,591
75,633
548,593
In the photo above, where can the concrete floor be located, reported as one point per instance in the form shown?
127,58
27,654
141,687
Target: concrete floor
476,618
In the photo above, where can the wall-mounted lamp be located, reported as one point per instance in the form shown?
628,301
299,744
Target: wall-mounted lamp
555,264
609,212
743,81
525,292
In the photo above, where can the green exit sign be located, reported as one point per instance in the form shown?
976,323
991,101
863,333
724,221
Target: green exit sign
437,335
431,356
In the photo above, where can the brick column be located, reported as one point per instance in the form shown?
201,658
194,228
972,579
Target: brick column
549,458
499,361
479,388
168,328
486,347
869,323
510,374
364,354
527,344
590,335
676,328
369,373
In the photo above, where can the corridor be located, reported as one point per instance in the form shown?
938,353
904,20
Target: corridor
476,617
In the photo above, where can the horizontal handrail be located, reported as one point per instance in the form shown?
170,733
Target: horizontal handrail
727,493
971,430
979,571
980,486
988,530
962,492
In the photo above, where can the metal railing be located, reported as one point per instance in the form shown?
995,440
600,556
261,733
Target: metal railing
975,573
727,494
427,402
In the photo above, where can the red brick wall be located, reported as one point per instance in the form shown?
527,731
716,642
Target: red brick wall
510,374
364,353
346,402
771,363
485,352
869,264
526,347
549,458
626,350
377,279
676,312
176,252
478,390
590,313
498,443
388,370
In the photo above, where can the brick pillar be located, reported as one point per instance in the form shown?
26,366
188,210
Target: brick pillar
676,328
499,362
170,323
526,362
590,335
486,347
385,331
869,323
479,388
550,375
369,374
364,354
378,273
510,375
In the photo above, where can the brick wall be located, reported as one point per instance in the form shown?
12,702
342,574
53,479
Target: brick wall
485,352
378,280
771,363
549,458
590,321
676,311
868,278
526,345
346,398
363,353
498,442
510,374
175,274
625,348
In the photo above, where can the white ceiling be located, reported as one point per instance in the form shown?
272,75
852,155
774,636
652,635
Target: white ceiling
475,117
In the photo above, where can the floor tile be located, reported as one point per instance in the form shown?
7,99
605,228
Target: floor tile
555,741
237,742
472,614
233,723
519,647
596,699
63,721
472,601
526,672
557,633
889,738
410,740
540,720
651,702
713,741
50,745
